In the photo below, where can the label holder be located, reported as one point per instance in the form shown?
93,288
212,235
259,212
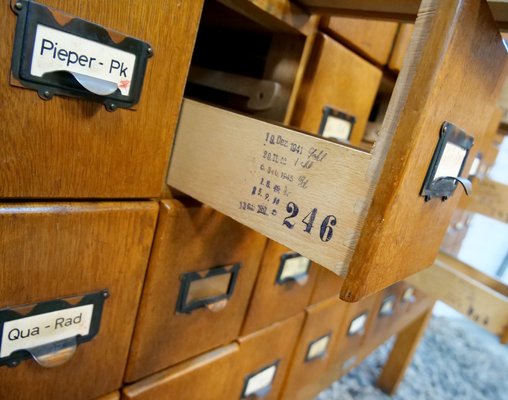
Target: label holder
300,278
322,354
383,312
444,186
329,112
32,14
62,350
353,332
263,391
185,306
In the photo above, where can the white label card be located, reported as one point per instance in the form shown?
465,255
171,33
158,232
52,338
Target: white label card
357,324
260,380
294,266
38,330
337,128
318,348
409,295
451,161
55,50
387,306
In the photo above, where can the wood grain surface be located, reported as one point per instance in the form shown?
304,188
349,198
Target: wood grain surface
54,250
190,238
204,377
400,46
270,301
402,233
70,148
336,77
372,39
303,377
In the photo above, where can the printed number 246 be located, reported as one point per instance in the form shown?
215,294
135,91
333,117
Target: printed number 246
325,231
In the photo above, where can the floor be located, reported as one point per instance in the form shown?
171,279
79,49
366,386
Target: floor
455,360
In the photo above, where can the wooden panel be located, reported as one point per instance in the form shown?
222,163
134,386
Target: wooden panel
400,10
271,301
478,302
489,198
223,170
347,345
303,381
338,78
82,150
400,47
381,323
204,377
372,39
327,285
54,250
188,239
111,396
263,348
447,36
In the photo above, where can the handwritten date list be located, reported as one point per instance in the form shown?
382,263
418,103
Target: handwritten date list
283,168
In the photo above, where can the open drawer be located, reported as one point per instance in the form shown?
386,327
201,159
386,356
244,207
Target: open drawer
365,216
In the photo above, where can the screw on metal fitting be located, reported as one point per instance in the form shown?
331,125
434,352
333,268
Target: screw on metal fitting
111,106
105,294
150,52
45,94
18,5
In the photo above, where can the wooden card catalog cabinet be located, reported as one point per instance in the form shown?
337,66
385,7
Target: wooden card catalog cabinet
359,214
72,275
69,145
199,281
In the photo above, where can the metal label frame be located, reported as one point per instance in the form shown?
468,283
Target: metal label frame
444,188
362,331
393,299
266,389
321,355
182,306
283,259
31,14
9,314
329,111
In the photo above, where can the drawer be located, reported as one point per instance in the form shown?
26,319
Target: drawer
311,355
388,309
59,262
264,360
370,38
283,288
357,213
201,272
327,285
77,147
337,94
353,331
204,377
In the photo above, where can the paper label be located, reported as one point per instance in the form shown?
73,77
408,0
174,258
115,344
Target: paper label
451,161
318,348
336,128
38,330
408,295
387,306
357,324
295,266
55,50
260,380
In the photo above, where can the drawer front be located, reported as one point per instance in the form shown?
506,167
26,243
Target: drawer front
312,352
264,360
201,273
77,147
327,285
388,309
338,79
110,396
205,377
370,38
354,329
283,288
51,251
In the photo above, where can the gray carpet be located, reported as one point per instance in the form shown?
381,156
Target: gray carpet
455,360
